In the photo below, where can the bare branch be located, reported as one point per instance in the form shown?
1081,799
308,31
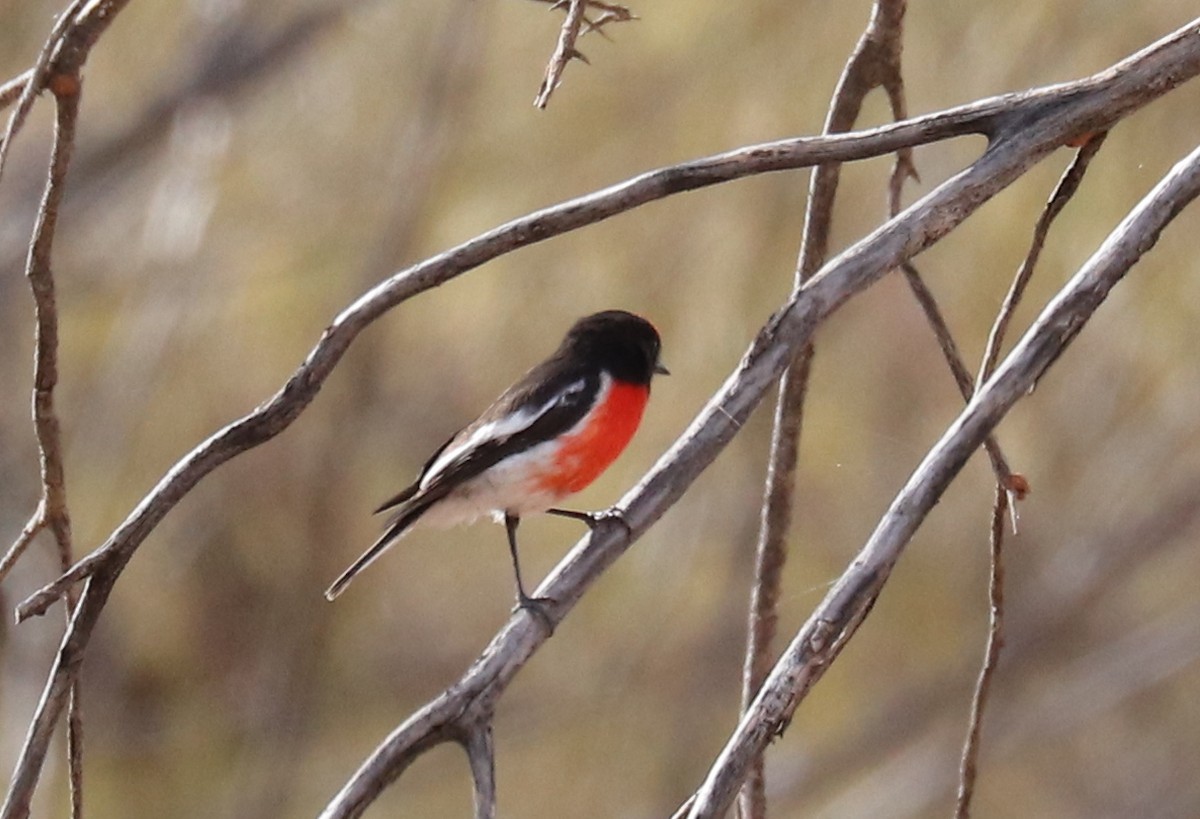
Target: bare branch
576,24
11,91
36,79
875,59
481,753
52,511
66,49
564,52
991,658
1066,188
37,522
838,616
1009,488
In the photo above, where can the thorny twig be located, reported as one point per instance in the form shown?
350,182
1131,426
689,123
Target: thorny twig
577,23
1008,493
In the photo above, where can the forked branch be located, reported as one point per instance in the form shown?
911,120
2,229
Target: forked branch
835,620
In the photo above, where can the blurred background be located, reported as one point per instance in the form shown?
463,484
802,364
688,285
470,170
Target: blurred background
244,171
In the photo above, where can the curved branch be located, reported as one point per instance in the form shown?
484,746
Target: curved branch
825,633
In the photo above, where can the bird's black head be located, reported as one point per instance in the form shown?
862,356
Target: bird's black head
623,344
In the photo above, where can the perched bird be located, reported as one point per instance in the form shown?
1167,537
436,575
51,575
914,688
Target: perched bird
546,437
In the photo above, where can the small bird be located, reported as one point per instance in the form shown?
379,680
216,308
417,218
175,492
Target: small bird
546,437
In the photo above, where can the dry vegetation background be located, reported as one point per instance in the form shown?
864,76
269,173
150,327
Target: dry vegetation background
223,209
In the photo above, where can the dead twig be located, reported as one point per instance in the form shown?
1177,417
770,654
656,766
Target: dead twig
564,52
577,23
1008,492
875,60
968,768
1067,185
57,67
52,512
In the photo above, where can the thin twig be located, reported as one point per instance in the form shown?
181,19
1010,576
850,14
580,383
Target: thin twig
876,55
962,376
1007,492
574,26
52,511
836,619
35,524
11,90
564,52
58,68
991,658
1067,185
35,79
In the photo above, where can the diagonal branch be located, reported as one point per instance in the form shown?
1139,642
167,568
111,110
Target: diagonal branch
564,51
1063,191
835,620
574,26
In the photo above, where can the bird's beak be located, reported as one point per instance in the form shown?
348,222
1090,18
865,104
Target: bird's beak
660,369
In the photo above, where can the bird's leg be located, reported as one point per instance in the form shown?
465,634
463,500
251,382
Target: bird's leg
534,605
595,519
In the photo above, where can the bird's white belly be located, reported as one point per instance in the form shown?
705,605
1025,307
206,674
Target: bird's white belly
511,486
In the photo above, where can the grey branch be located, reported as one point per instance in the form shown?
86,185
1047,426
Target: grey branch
838,616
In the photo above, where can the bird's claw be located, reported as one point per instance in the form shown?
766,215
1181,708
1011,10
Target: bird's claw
594,520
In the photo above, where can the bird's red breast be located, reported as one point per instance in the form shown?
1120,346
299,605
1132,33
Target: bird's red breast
584,453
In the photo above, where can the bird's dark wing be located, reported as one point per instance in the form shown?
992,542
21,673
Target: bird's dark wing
407,493
547,402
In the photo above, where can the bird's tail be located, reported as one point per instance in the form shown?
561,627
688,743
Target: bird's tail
396,528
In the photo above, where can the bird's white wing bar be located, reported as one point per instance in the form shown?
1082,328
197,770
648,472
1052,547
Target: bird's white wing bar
500,428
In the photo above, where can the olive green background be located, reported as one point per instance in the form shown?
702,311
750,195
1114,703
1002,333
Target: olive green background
210,235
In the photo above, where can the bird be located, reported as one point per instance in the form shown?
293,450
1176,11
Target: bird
548,436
